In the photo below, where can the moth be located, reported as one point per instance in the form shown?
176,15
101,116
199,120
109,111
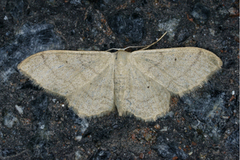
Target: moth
139,83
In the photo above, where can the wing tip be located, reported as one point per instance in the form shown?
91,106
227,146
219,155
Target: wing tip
151,118
91,116
199,85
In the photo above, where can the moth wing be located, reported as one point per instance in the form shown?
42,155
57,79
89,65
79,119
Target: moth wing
95,98
177,69
142,97
63,72
79,76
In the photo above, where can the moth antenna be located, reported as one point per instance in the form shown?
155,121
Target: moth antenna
146,47
123,49
117,49
154,42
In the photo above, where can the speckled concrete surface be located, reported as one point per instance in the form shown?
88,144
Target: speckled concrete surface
203,124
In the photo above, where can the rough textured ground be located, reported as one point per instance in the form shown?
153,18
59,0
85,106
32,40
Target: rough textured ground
203,124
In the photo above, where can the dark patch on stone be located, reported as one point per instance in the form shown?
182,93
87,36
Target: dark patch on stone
200,13
100,155
128,26
40,107
232,142
168,150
